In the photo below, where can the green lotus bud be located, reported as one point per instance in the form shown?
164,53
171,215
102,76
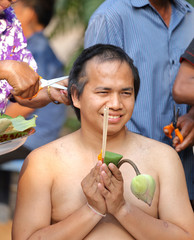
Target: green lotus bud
111,157
143,187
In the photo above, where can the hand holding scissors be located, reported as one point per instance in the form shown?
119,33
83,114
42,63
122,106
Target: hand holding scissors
51,83
173,126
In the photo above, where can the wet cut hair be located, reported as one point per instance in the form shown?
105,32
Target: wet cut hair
103,53
44,9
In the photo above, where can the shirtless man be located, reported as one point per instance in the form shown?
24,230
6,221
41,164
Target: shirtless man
59,179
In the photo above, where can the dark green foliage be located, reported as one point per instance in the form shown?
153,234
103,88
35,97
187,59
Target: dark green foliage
71,12
191,2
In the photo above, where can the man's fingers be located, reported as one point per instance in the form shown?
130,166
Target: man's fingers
116,172
92,177
105,168
188,141
104,192
107,181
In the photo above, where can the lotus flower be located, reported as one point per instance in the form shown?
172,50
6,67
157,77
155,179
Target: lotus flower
142,186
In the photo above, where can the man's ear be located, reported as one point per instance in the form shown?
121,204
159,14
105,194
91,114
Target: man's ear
75,98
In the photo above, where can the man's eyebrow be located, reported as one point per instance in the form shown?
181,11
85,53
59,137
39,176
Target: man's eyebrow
123,89
102,88
128,89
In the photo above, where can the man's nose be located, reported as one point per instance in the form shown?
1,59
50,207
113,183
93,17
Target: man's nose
115,101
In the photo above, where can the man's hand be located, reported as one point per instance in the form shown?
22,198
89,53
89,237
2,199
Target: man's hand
90,188
61,95
112,188
186,125
23,79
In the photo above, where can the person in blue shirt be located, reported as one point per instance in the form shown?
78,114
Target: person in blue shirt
51,117
154,34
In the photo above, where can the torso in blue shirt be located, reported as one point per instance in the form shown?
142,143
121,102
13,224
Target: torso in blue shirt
156,49
52,117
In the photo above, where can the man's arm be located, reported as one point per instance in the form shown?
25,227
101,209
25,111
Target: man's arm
43,98
15,109
183,89
176,218
32,218
23,79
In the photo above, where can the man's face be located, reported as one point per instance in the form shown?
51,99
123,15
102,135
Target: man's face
109,84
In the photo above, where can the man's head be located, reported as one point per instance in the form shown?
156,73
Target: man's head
43,10
100,53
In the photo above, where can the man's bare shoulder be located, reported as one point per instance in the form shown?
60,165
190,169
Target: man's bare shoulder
154,148
50,153
64,143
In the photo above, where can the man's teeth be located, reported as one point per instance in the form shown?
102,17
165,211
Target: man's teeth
113,117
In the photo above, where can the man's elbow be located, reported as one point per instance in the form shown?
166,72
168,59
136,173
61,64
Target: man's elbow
178,94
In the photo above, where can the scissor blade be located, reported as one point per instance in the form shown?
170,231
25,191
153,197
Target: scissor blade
55,85
45,83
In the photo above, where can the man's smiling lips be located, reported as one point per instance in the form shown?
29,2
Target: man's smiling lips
113,118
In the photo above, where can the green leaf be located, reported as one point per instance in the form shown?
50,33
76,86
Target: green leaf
18,124
4,124
111,157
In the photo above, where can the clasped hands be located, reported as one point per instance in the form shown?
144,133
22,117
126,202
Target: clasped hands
103,188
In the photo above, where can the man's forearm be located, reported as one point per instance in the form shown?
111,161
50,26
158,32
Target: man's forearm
76,226
183,89
39,101
143,226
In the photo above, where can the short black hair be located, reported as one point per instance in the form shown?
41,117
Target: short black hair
43,8
104,53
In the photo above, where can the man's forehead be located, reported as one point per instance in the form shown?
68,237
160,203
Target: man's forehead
97,64
116,74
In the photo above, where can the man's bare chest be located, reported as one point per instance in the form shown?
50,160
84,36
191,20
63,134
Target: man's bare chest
67,195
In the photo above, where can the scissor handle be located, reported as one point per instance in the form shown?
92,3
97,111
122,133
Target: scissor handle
170,129
179,135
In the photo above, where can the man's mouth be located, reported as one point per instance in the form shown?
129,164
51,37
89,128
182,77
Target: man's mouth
113,117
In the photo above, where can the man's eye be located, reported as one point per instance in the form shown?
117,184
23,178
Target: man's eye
102,92
126,93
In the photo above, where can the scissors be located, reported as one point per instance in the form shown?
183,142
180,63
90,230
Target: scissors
52,82
173,126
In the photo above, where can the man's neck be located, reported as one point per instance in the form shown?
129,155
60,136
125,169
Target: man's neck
164,9
29,31
93,140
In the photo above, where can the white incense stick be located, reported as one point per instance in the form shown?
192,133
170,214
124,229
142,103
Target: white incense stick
105,127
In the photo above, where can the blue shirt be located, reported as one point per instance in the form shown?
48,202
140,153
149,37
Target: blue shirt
52,117
136,27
